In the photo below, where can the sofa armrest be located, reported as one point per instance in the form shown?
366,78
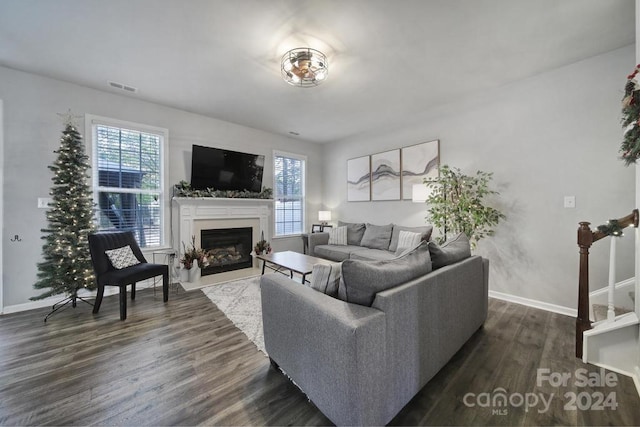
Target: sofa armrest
334,351
317,239
429,319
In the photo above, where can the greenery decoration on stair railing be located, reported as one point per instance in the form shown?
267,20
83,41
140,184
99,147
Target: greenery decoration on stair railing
183,189
456,204
630,147
611,228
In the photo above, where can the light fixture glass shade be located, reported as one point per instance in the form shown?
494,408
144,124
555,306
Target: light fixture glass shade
324,216
420,193
304,67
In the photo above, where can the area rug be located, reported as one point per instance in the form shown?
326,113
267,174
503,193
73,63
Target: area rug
239,300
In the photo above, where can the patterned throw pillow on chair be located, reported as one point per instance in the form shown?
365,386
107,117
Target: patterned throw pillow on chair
122,257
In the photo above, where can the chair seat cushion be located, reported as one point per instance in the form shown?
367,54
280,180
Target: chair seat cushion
132,274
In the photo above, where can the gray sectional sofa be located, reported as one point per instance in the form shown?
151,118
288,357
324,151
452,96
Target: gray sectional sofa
364,242
360,357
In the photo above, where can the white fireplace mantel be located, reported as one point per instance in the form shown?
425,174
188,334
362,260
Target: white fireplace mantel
192,214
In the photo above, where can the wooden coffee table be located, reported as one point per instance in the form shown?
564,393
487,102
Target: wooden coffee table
294,262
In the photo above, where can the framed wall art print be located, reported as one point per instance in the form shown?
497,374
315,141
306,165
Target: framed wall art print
359,179
419,161
385,175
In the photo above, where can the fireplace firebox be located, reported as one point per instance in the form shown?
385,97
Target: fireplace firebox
228,248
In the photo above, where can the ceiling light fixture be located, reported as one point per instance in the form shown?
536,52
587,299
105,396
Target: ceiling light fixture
304,67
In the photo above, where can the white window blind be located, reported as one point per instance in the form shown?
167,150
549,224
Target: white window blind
128,176
289,175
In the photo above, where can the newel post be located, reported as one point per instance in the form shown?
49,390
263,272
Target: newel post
585,240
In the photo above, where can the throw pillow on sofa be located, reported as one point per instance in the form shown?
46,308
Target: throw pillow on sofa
451,251
338,236
377,236
355,231
325,278
407,241
362,280
425,230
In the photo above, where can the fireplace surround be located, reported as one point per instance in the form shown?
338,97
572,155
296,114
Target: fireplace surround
192,215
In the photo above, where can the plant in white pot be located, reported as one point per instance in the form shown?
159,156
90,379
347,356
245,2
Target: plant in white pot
193,259
457,204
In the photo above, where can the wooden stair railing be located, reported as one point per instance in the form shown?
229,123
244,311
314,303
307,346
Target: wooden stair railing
586,237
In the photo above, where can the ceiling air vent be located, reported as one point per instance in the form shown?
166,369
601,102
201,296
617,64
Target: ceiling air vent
123,87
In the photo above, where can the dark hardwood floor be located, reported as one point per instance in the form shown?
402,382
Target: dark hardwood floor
185,363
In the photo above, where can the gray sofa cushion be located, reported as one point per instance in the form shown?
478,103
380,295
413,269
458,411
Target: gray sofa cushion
334,252
451,251
425,230
377,236
367,254
355,231
362,280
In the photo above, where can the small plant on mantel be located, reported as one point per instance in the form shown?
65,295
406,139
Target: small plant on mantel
456,204
193,254
262,247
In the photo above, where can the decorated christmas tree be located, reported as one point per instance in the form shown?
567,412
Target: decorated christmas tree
66,265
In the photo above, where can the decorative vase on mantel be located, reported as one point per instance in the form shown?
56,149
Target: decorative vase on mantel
194,272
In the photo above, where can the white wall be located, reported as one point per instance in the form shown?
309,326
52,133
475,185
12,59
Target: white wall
32,131
545,137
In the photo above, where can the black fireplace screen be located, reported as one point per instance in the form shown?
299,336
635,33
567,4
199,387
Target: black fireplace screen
228,248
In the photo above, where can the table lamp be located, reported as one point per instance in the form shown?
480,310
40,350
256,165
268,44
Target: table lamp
324,217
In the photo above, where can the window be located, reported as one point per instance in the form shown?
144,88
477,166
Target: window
289,176
128,179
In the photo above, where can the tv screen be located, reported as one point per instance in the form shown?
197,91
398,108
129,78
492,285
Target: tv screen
225,170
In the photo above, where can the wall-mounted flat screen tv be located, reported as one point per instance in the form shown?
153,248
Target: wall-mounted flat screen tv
225,170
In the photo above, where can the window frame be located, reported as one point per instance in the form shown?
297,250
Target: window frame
91,122
295,156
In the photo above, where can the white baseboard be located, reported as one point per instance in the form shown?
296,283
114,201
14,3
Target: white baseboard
48,302
572,312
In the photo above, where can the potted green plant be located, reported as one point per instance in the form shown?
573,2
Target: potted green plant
456,204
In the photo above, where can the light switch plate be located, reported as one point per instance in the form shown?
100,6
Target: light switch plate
569,201
43,202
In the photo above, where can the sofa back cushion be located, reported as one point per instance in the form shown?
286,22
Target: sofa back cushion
425,230
355,231
377,236
362,280
453,250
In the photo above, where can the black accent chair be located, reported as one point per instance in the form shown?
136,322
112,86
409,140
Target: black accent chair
107,275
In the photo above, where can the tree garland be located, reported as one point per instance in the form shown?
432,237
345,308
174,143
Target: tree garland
183,189
630,147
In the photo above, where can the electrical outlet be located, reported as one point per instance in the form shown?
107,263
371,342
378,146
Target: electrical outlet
43,202
569,201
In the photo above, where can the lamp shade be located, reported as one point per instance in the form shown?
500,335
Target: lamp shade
324,216
420,193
